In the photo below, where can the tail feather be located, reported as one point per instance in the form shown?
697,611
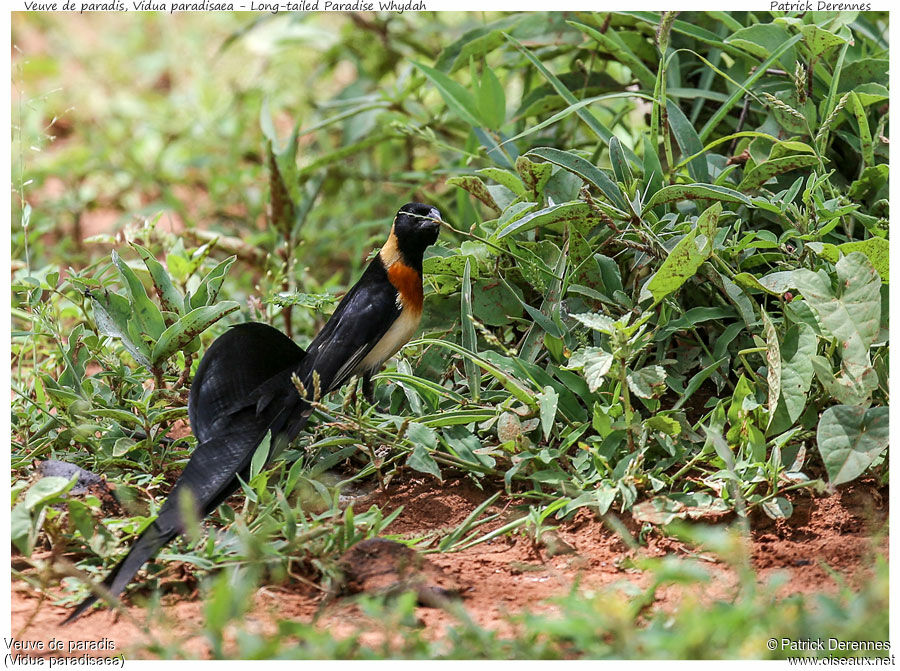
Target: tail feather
147,545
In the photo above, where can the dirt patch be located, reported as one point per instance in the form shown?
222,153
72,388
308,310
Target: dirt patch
839,534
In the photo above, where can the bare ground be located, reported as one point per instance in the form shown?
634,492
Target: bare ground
840,533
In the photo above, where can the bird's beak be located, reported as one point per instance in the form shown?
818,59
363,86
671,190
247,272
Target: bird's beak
435,216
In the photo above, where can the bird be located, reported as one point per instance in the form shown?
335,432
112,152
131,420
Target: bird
246,384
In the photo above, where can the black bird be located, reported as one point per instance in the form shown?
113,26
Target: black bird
243,388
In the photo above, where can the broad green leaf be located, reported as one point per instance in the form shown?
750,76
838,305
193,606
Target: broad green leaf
688,255
696,192
123,446
850,438
851,312
597,321
47,489
112,314
477,188
261,455
584,169
688,141
778,282
854,385
458,99
547,402
619,163
595,362
491,99
534,175
778,508
648,382
760,40
797,349
665,423
145,311
170,298
188,327
875,249
421,460
773,364
819,40
763,172
575,213
505,177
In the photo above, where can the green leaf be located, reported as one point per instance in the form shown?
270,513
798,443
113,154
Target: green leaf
584,169
469,341
505,177
547,402
797,350
477,188
208,290
762,173
188,327
588,117
688,255
597,322
145,311
659,422
112,314
575,213
759,40
778,508
534,175
819,40
695,192
851,312
619,163
458,99
613,43
260,455
850,438
648,382
688,141
46,489
595,362
866,145
123,446
169,297
773,364
652,180
491,100
875,249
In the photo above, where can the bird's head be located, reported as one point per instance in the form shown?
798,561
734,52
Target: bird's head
416,226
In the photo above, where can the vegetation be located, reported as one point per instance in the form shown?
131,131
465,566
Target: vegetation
662,289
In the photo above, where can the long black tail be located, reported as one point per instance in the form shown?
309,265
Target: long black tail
147,545
241,392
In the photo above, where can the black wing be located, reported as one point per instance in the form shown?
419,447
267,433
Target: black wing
363,317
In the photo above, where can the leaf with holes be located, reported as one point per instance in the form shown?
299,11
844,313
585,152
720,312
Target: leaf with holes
685,259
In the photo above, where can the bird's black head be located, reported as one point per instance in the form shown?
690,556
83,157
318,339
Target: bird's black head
416,226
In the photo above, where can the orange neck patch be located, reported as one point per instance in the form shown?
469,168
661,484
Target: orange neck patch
408,283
